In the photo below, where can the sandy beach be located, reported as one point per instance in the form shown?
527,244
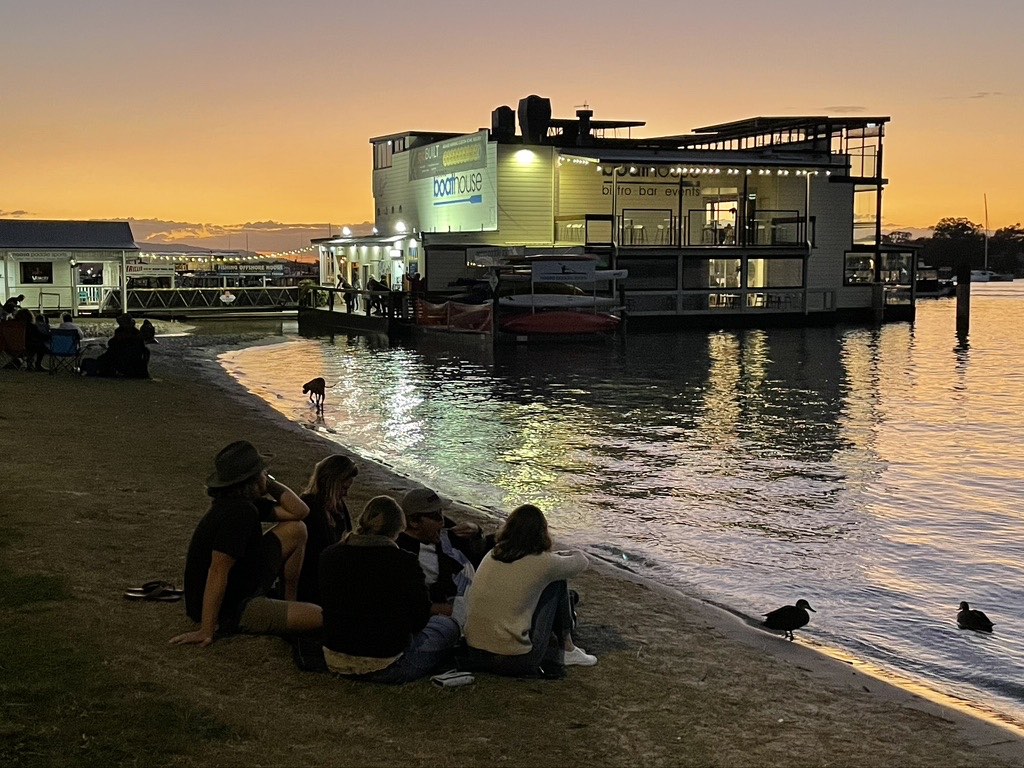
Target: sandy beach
102,492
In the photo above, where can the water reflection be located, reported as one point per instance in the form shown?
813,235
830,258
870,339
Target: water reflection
867,470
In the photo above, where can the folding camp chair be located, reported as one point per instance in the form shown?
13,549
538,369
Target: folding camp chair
12,342
65,350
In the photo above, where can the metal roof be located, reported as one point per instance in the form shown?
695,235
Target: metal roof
67,235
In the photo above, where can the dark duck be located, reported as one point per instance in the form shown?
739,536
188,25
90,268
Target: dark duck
789,617
968,618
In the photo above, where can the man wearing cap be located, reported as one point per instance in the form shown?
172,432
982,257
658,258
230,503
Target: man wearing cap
231,564
448,551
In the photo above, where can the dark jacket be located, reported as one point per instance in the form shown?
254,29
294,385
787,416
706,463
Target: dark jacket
322,530
373,597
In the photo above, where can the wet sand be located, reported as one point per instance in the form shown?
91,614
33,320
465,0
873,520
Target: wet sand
679,682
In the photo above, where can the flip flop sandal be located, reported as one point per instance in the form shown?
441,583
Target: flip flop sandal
163,594
151,586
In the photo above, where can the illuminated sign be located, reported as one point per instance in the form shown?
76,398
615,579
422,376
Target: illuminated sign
148,270
455,184
465,153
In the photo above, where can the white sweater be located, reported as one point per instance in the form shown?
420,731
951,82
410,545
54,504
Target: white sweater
501,602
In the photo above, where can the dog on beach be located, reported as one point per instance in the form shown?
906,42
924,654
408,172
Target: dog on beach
316,389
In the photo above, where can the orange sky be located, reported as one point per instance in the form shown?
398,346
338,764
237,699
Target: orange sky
261,111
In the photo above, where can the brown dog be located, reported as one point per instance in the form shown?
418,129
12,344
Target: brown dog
316,390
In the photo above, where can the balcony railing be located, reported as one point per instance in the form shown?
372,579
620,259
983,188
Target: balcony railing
644,227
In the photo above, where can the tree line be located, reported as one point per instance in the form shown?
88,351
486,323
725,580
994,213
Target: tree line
956,240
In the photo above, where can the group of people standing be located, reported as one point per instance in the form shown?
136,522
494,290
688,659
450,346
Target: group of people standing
392,595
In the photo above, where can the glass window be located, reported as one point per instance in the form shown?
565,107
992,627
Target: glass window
860,268
775,273
896,268
36,272
382,154
865,214
649,274
724,273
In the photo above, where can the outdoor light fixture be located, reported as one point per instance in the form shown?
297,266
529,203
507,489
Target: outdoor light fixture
399,226
346,232
525,157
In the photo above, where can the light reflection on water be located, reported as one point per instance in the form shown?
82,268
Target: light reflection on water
873,472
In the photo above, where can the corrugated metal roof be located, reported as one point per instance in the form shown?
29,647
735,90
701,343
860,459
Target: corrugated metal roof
66,235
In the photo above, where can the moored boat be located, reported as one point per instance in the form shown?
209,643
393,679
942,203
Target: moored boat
560,323
988,276
931,286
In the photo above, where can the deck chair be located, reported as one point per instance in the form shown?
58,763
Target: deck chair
65,350
12,342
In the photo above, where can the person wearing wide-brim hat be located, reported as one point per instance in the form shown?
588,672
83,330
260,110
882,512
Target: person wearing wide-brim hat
232,565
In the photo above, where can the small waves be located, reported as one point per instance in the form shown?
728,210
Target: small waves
873,472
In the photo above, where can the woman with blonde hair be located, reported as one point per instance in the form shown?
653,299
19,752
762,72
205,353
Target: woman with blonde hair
328,519
377,622
519,615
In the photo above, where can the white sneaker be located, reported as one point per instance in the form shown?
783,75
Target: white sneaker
577,657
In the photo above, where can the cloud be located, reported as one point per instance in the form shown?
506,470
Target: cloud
844,108
976,95
12,214
260,236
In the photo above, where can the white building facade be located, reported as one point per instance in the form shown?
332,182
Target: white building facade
764,216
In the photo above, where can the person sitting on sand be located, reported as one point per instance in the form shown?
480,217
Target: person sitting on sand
520,616
232,564
126,354
377,622
328,520
448,552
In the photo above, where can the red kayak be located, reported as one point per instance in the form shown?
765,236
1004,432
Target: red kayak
560,323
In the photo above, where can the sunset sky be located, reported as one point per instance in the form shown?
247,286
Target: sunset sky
230,113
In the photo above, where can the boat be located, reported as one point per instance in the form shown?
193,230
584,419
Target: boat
545,299
560,323
988,276
556,301
931,286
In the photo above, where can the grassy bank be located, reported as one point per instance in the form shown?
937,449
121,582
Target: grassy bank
103,491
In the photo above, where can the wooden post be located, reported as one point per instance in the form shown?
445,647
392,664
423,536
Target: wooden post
963,300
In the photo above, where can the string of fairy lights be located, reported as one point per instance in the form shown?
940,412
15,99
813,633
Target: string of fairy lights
228,257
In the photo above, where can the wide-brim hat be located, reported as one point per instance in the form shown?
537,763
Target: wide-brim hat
422,501
235,464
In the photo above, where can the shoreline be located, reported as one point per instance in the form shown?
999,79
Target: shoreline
830,661
679,682
906,688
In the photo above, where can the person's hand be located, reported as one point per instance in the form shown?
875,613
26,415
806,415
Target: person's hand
466,530
198,637
441,609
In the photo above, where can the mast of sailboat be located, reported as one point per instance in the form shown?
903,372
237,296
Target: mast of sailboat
985,196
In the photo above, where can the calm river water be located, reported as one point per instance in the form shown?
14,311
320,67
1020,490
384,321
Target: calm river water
874,472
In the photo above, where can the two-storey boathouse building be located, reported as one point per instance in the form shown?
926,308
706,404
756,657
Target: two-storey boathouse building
769,217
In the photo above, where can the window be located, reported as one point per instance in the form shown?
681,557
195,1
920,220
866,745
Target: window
649,274
36,272
382,152
865,214
860,268
775,273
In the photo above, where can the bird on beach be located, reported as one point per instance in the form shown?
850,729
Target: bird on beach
789,617
969,618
